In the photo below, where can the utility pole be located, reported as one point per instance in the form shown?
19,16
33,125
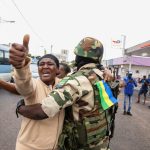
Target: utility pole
123,44
123,51
44,49
129,58
51,48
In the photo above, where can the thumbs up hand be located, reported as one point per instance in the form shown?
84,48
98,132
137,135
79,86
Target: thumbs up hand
19,52
26,42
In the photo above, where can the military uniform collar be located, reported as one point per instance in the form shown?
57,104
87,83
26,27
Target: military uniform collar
90,65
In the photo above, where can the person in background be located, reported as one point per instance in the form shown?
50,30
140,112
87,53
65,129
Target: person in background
149,84
129,84
64,69
149,87
76,91
144,89
35,134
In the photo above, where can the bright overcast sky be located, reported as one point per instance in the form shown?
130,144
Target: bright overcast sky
63,23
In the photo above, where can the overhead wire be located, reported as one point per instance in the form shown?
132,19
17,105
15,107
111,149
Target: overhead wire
27,22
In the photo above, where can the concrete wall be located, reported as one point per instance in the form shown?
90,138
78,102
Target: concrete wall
143,70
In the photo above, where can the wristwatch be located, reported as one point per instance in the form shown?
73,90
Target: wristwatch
19,104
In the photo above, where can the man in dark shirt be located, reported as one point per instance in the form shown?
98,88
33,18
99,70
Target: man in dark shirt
143,89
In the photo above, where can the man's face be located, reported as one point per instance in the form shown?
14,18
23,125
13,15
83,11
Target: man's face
62,72
47,70
130,75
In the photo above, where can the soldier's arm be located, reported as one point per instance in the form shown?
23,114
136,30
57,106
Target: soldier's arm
58,99
49,107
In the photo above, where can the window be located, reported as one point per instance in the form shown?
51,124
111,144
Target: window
6,58
1,56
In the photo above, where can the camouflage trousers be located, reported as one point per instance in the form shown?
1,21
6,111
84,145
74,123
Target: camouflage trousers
98,148
103,146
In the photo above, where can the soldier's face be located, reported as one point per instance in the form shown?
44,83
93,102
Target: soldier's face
47,70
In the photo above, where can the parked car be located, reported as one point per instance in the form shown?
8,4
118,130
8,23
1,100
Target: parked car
5,66
5,76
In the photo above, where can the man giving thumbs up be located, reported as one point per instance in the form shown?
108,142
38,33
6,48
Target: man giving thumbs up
35,134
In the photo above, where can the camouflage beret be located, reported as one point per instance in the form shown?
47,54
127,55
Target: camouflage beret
89,47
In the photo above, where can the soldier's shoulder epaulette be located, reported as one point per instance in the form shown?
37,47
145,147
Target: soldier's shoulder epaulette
62,82
69,78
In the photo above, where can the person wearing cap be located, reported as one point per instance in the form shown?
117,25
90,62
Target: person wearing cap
76,94
129,84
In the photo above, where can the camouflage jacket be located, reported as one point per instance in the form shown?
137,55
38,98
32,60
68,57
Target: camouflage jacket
73,91
91,125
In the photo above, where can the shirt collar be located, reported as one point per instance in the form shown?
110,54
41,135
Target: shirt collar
89,65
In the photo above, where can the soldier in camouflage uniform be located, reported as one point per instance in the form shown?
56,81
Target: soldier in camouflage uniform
86,125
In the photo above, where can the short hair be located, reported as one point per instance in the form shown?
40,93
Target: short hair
66,68
51,57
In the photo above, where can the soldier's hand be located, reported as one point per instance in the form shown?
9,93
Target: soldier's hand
19,52
107,75
121,84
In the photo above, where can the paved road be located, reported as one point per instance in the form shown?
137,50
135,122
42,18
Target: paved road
132,133
9,124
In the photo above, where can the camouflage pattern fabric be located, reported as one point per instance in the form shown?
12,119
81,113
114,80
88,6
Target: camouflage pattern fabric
76,90
69,90
89,47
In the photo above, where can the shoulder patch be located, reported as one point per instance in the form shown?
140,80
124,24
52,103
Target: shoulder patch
62,82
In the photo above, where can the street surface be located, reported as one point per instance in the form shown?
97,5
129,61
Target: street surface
131,133
9,124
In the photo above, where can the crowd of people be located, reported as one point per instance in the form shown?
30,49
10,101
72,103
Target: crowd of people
129,84
63,110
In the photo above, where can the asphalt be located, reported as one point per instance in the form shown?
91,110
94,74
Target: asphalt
9,124
131,132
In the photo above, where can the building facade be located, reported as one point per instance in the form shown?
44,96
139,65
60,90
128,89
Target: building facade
135,59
